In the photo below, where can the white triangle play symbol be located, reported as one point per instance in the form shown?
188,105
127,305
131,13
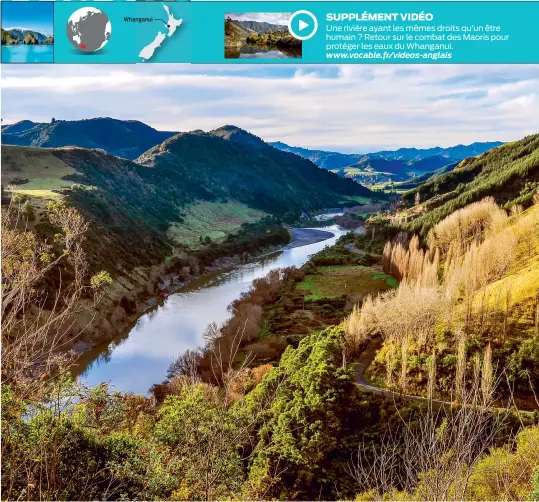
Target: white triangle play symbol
302,25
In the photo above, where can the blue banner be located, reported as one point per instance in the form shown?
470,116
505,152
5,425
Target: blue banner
309,32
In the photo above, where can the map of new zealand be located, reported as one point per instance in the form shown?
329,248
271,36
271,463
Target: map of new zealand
172,24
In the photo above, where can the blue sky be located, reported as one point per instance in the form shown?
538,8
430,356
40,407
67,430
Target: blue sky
348,108
35,16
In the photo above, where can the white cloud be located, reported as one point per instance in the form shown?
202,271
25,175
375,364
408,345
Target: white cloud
349,108
262,17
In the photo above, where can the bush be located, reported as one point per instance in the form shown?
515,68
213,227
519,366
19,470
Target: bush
28,212
303,426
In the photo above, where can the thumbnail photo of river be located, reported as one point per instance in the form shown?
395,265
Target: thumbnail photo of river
27,32
260,36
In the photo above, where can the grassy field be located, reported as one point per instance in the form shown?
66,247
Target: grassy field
358,199
43,171
349,280
389,187
212,219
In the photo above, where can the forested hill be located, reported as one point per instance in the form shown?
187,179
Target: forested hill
129,203
230,163
123,138
509,173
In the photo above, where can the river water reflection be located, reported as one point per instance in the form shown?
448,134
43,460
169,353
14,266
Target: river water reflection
140,356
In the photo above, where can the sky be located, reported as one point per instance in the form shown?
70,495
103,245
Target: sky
262,17
350,108
30,16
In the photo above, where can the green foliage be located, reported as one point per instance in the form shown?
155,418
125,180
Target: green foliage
274,38
509,173
508,472
199,433
523,364
338,255
250,238
345,280
100,279
303,426
49,454
83,446
28,211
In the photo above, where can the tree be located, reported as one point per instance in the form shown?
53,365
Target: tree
37,319
436,457
202,435
311,392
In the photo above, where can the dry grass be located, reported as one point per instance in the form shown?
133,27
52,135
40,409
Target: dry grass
464,226
407,261
490,284
522,277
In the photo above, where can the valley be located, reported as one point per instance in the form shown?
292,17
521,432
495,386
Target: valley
391,170
168,215
177,323
204,315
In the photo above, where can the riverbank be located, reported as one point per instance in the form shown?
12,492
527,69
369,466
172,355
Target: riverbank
278,310
304,236
145,290
138,356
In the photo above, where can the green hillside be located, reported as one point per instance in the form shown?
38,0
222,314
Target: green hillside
153,200
235,34
509,173
30,39
231,163
7,38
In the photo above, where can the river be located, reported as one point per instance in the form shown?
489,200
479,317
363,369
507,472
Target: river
250,51
139,357
21,53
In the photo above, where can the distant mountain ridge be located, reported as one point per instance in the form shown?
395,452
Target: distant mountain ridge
389,166
18,127
334,160
454,152
24,36
130,139
122,138
259,26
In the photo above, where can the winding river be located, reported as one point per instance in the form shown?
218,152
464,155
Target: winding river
139,357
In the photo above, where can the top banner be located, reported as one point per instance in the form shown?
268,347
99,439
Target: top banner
272,32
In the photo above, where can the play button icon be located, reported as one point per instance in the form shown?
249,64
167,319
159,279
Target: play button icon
302,24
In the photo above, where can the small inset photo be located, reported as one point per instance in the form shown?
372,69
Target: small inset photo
260,35
27,32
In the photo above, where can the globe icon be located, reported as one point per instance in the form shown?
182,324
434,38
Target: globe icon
88,29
